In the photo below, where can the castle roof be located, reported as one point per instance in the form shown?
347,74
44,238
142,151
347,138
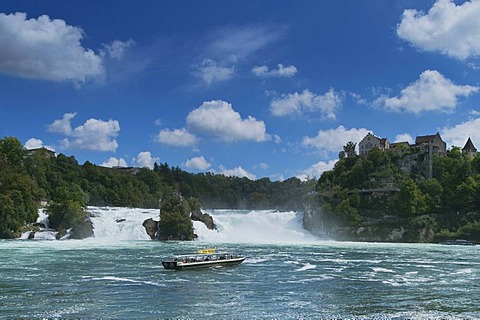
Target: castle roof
469,146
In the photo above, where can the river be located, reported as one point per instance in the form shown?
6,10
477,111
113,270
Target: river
288,274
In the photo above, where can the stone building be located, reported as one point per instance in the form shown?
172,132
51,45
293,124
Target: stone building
431,143
370,141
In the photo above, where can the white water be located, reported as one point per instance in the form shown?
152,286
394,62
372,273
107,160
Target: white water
43,233
234,226
121,223
258,226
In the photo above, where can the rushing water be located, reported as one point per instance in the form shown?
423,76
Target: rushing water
306,279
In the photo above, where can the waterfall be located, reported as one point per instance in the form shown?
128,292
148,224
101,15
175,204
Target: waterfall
234,226
258,226
121,223
44,233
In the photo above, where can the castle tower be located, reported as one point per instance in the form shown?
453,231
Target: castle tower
469,149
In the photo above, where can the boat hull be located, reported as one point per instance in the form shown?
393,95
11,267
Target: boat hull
176,265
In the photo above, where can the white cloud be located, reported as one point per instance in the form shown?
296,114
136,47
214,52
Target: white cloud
145,159
458,135
62,125
217,118
234,43
116,49
226,47
197,163
450,29
237,172
46,49
431,92
114,162
333,140
176,138
316,170
404,137
298,103
281,71
94,134
33,143
211,72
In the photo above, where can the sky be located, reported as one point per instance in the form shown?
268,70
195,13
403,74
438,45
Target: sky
243,88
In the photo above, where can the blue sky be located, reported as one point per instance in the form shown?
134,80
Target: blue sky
246,88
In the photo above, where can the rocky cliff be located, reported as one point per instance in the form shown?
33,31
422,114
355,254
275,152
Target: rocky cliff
321,222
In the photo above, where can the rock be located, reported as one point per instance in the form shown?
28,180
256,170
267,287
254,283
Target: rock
82,230
205,218
151,226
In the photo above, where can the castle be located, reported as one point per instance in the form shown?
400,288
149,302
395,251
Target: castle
424,148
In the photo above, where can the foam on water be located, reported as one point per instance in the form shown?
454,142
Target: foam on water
258,226
121,223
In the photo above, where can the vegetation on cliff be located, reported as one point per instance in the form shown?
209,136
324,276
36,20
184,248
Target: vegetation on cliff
362,191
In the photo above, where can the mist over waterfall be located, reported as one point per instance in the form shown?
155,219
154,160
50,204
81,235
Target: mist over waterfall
121,223
257,226
234,226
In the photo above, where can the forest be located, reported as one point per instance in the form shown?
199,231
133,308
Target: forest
28,178
374,189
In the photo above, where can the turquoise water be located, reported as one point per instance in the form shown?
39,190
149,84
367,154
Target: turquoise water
90,279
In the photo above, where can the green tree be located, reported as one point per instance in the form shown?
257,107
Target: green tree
175,222
409,201
65,215
348,214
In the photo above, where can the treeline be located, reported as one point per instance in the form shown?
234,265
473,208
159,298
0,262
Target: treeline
26,178
374,188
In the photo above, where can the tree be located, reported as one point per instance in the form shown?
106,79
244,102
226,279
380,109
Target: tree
348,214
409,200
349,149
175,222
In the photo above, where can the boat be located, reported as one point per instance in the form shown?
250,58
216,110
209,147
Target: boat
458,242
203,259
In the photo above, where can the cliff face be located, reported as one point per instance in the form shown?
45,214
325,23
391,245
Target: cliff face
321,222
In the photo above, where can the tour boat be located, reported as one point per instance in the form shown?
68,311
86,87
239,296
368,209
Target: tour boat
203,259
458,242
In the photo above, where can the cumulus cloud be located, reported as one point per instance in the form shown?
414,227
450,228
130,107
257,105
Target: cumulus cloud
62,125
450,29
210,71
45,49
114,162
281,71
197,163
50,49
307,101
217,118
177,138
94,134
404,137
237,172
431,92
33,143
145,160
333,140
316,170
458,135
